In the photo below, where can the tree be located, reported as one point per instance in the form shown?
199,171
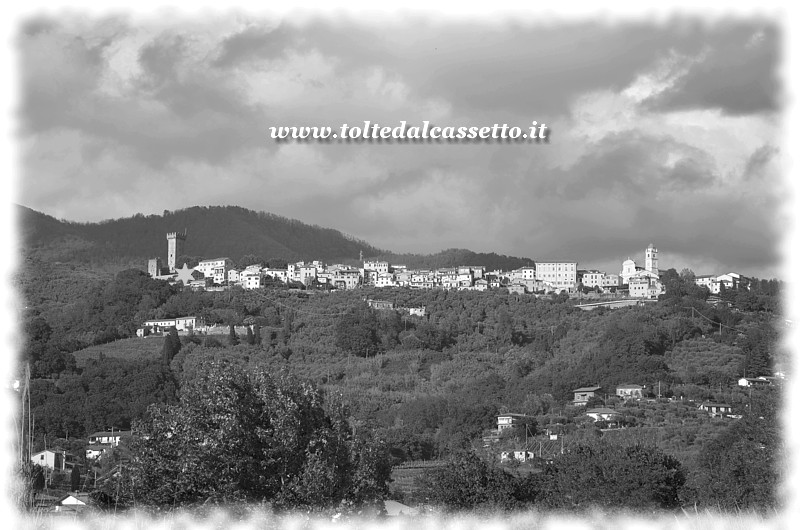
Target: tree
634,477
357,332
75,478
239,436
467,482
172,345
233,339
742,467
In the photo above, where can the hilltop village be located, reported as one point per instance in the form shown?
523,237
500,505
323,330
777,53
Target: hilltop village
543,277
397,384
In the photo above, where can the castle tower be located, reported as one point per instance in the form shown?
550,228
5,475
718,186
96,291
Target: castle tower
154,267
175,241
651,259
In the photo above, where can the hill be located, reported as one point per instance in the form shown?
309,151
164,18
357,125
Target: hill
215,231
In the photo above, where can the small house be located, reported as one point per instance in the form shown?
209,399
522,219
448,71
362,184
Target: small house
630,391
603,414
584,394
716,410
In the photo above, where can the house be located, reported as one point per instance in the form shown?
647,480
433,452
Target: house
106,437
754,381
76,502
516,288
520,456
380,304
509,420
216,269
180,324
56,460
95,451
716,410
603,414
630,391
584,394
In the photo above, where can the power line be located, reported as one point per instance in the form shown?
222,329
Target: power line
720,324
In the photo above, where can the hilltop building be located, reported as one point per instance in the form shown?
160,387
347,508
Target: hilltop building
558,275
175,244
643,282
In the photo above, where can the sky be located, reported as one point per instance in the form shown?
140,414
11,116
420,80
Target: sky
661,131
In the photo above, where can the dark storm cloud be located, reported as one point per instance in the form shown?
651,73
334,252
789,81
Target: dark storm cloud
175,108
738,73
644,148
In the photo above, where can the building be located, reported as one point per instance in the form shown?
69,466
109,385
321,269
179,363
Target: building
175,244
180,324
381,267
584,394
603,414
101,441
630,391
716,410
610,280
559,275
346,278
55,460
755,381
252,279
591,278
510,420
154,267
650,269
380,304
216,269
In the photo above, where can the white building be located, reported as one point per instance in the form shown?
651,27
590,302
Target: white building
179,323
559,275
381,267
216,269
591,279
252,279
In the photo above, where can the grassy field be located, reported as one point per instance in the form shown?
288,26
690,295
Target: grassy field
130,349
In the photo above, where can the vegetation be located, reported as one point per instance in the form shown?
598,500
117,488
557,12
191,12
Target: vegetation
304,398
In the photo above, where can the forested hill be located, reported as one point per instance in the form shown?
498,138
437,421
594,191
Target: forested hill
216,231
212,232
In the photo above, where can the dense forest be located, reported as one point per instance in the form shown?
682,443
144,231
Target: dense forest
387,388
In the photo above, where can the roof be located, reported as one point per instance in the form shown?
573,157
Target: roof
587,389
715,405
513,415
602,410
630,386
109,433
394,508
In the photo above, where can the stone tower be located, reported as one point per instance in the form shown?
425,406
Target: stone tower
651,259
175,241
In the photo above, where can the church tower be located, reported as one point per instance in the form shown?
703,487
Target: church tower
651,259
175,243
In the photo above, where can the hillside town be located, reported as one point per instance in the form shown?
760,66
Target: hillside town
542,277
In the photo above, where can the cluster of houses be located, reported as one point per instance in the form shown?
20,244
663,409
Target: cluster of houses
540,277
60,460
611,417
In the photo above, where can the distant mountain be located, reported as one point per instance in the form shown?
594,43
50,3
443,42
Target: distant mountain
216,231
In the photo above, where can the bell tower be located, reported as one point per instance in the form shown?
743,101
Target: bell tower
651,259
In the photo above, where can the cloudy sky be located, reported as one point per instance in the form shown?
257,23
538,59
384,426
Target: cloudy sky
663,132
